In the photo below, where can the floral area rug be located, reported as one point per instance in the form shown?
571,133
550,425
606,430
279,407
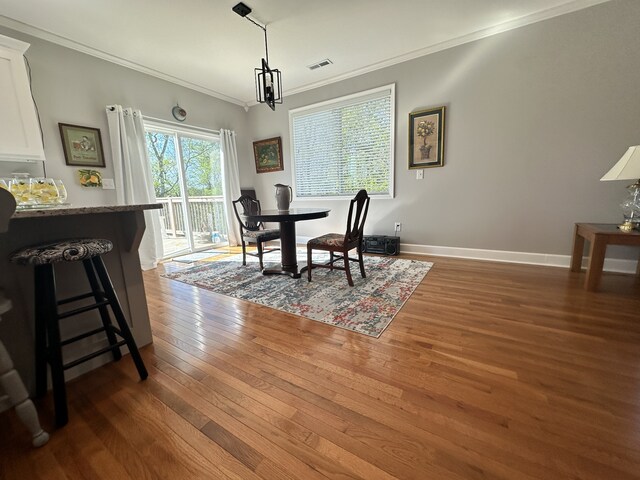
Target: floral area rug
366,308
196,256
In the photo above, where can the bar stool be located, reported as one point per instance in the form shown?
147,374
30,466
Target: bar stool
48,344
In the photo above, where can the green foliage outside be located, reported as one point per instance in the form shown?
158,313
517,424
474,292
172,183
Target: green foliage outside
366,168
201,158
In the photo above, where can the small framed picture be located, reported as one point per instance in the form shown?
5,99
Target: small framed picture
268,155
82,145
426,138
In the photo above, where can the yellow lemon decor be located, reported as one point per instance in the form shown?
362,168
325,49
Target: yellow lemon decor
90,178
43,191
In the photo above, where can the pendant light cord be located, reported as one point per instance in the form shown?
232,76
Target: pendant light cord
264,29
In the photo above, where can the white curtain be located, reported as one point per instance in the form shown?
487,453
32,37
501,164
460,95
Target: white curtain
133,180
231,185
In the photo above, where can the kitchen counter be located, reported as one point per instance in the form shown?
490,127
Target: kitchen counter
124,225
63,210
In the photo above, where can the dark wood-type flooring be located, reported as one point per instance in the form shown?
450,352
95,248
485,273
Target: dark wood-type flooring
489,371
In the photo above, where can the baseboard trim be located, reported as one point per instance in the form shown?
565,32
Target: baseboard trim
550,260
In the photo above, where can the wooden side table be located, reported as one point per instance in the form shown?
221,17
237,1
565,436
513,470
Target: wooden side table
599,235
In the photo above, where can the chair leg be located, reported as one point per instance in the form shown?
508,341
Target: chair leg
244,253
361,261
259,245
331,260
309,262
41,278
125,332
104,313
347,269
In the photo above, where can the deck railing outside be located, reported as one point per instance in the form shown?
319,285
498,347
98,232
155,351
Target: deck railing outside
206,214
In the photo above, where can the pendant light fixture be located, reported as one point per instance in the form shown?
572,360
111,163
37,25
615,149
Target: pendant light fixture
268,80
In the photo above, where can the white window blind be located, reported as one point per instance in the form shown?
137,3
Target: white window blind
344,145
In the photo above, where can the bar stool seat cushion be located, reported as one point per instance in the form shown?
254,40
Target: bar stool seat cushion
62,251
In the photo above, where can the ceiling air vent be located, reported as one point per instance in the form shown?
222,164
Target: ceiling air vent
321,63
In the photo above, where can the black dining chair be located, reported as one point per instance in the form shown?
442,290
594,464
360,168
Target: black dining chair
342,243
253,232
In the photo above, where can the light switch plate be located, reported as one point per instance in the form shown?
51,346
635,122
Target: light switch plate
108,184
419,175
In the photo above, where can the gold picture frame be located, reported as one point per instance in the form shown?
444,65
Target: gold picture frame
82,146
426,138
268,155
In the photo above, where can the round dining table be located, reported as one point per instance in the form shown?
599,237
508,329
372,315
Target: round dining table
287,220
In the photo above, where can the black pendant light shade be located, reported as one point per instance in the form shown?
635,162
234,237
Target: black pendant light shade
268,85
268,81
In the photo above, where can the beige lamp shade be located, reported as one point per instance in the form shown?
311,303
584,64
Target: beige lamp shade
627,168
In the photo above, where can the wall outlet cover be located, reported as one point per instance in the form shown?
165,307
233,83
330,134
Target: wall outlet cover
108,184
419,174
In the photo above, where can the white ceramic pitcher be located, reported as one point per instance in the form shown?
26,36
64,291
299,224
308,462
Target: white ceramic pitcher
284,195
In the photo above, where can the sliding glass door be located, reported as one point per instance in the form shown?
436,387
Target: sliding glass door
187,177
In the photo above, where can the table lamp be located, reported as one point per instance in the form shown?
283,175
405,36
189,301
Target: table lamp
628,168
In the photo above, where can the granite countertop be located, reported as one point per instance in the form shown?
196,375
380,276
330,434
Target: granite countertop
63,210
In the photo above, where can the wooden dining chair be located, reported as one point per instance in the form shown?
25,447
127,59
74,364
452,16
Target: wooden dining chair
253,232
342,244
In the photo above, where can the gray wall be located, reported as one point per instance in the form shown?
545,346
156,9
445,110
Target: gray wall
72,87
535,117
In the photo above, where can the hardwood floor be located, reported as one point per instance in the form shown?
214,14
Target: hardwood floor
489,371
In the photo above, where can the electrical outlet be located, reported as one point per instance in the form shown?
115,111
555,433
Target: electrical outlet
397,227
419,174
108,184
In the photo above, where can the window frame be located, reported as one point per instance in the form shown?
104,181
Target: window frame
178,131
346,100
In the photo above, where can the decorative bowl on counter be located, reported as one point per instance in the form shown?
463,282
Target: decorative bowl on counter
35,192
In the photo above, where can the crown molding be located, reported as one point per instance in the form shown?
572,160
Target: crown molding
471,37
13,43
73,45
454,42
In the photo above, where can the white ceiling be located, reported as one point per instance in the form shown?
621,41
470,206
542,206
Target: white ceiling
204,45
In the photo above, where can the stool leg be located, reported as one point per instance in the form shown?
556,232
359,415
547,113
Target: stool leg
54,351
98,295
41,279
119,314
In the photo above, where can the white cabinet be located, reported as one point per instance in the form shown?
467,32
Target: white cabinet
19,129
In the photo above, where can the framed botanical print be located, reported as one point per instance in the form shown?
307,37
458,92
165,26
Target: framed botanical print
426,138
268,155
82,145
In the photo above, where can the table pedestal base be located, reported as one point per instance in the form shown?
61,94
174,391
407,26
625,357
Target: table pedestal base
282,271
288,252
287,220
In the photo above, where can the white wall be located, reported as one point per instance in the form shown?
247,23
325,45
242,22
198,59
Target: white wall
72,87
535,117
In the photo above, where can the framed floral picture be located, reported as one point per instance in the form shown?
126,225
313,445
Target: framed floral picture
82,145
268,155
426,138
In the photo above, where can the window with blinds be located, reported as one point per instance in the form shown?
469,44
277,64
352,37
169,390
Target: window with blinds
344,145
